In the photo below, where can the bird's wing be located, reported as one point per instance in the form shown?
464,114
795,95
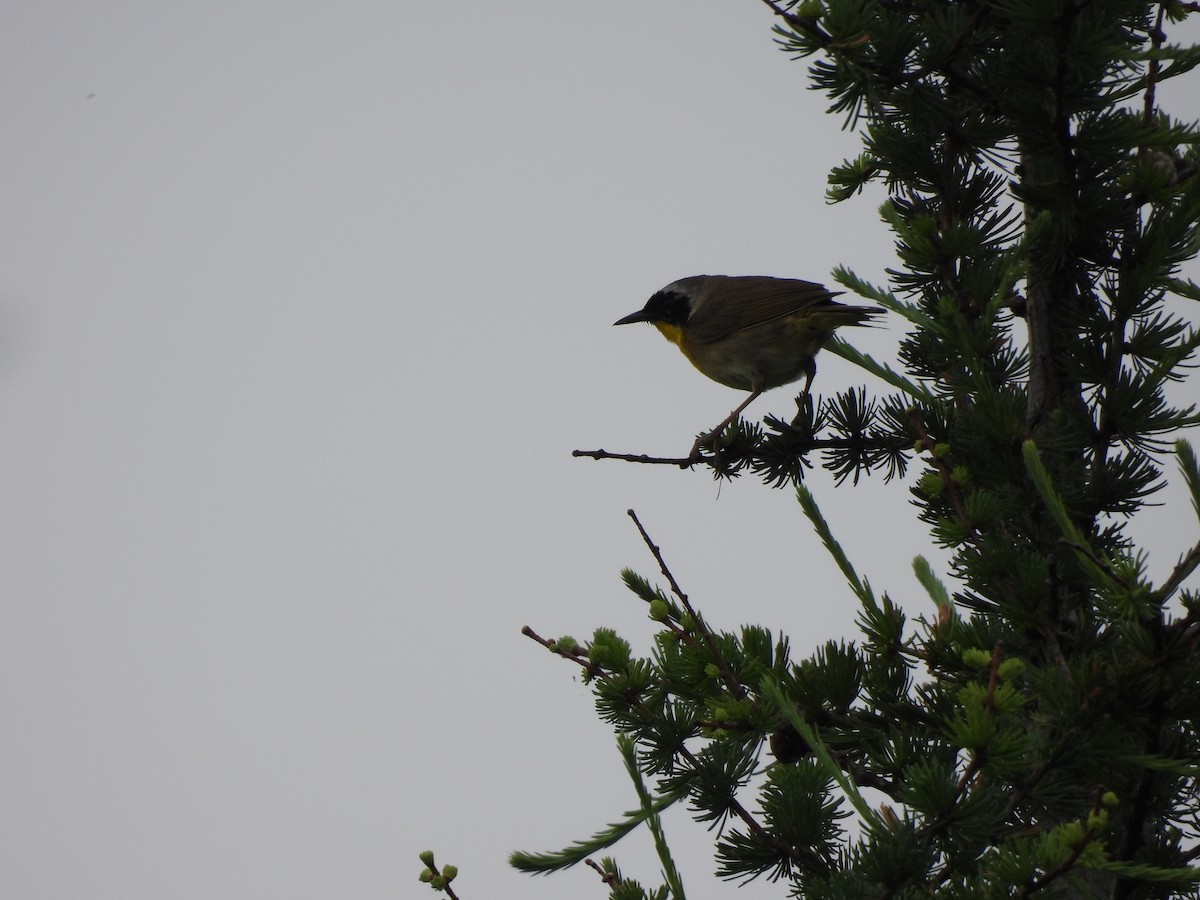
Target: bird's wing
751,300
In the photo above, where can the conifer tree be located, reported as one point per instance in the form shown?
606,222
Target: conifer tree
1038,735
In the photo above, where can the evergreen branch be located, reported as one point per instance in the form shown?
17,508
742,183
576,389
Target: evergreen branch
1191,471
581,656
1100,570
438,879
973,767
1162,764
1144,872
670,873
731,681
1114,343
554,861
1081,842
808,26
1190,854
804,445
1185,288
947,68
883,297
879,622
777,843
575,654
861,588
1062,868
574,854
771,690
839,347
948,482
978,758
548,862
932,584
1024,790
1187,564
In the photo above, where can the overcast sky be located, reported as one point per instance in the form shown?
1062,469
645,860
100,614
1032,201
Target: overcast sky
303,308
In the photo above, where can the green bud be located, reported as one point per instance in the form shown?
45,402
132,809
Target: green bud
979,659
1093,855
930,484
1011,668
451,872
1070,834
1007,699
608,649
427,857
426,876
1109,799
659,611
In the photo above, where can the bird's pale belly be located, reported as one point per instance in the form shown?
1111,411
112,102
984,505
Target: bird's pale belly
763,357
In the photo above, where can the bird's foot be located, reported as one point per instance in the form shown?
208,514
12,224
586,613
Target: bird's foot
709,439
804,411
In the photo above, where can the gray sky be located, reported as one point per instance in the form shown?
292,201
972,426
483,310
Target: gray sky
302,309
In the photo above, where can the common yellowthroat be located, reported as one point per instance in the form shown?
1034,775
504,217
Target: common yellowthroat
750,332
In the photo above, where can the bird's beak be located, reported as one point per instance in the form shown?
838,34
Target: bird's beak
639,316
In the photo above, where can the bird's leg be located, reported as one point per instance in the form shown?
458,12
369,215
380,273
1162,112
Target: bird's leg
804,401
709,438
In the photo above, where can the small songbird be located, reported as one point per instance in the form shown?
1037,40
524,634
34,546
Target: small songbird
750,332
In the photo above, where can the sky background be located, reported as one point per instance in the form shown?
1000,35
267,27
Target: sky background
303,308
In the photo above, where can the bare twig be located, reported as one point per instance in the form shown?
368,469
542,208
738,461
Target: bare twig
731,680
994,674
682,462
1157,36
686,462
608,878
575,654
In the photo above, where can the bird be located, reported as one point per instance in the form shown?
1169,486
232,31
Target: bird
749,332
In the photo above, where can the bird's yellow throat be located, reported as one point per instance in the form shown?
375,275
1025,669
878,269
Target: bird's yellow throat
672,333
